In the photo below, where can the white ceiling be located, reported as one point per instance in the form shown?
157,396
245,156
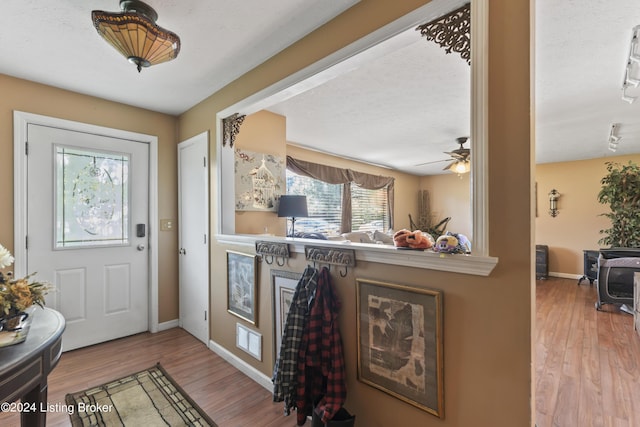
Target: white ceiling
411,95
54,42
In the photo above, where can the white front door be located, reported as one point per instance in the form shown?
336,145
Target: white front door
193,216
87,230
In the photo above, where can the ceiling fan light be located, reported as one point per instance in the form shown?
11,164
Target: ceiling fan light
460,167
134,33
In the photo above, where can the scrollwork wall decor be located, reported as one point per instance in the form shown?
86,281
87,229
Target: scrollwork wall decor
231,128
273,250
331,256
452,32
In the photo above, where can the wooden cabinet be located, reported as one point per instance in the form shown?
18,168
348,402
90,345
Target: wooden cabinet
24,367
542,261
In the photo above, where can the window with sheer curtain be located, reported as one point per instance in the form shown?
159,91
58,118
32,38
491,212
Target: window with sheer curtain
340,200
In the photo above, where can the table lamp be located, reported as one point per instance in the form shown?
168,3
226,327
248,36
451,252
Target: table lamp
292,206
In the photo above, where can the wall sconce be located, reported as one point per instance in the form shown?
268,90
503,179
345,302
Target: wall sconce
553,203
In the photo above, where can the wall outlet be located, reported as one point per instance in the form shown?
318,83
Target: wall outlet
249,341
166,224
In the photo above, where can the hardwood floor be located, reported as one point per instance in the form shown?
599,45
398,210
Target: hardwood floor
587,361
229,397
587,368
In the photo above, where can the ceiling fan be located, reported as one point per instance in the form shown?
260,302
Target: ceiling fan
460,158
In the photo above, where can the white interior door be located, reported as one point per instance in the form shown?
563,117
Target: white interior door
87,216
193,226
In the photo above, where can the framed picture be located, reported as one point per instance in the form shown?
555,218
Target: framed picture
400,342
284,286
242,295
259,180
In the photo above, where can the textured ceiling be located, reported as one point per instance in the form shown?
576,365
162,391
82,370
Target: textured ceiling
399,108
55,43
407,106
404,105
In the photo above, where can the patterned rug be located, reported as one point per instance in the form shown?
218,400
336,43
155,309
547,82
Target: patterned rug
147,398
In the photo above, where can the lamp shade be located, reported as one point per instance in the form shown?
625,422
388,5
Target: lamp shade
292,206
135,35
460,167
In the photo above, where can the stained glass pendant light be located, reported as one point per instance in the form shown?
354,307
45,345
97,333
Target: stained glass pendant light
134,34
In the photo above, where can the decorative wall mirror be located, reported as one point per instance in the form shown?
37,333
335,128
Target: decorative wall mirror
387,44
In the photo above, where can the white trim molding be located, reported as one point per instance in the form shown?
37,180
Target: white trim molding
480,262
20,122
241,365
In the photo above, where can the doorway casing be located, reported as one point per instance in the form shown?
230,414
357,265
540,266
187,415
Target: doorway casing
20,121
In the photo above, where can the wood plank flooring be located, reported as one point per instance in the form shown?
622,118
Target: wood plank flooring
229,397
587,361
587,368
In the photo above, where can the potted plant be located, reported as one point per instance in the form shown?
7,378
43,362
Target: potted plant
16,298
621,191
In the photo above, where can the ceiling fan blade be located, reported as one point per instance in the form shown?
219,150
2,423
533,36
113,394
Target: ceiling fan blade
461,153
455,155
458,155
449,165
434,161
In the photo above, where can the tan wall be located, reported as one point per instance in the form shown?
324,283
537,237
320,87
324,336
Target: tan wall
35,98
450,196
265,132
578,224
487,320
262,132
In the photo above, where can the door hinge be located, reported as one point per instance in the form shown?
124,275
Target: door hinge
26,148
205,315
205,239
204,162
26,242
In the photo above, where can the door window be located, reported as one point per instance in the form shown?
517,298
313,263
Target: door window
92,198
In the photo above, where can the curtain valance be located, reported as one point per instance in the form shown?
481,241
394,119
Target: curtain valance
334,175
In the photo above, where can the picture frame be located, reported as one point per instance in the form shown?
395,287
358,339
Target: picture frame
242,292
400,350
260,180
284,285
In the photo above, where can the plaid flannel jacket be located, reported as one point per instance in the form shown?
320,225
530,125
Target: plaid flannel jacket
321,373
286,368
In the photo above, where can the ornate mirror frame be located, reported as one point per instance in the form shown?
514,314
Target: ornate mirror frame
479,263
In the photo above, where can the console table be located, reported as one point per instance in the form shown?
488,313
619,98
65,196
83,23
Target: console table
24,367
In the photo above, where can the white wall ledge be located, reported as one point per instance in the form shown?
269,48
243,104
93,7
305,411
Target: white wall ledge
381,254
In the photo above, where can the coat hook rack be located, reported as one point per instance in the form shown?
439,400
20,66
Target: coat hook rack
331,256
271,251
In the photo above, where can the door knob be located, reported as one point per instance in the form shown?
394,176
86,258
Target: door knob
141,247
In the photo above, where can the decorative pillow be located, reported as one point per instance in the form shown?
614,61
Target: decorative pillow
359,237
379,236
338,238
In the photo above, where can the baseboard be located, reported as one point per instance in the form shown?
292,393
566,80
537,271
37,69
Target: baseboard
565,275
168,325
241,365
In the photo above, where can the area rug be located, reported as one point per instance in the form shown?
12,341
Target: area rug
147,398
